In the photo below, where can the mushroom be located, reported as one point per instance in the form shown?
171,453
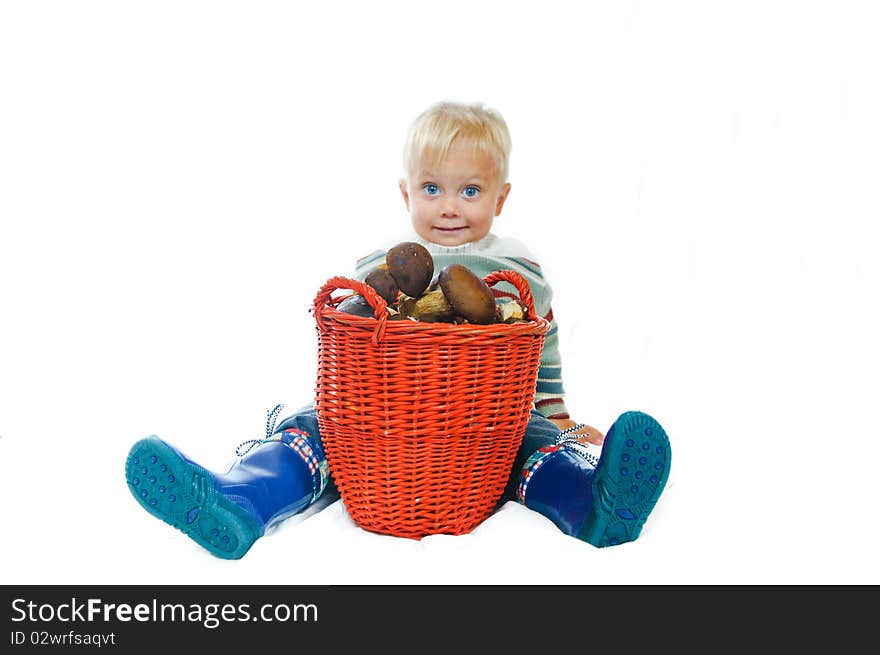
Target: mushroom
509,311
430,307
411,266
383,282
468,294
356,305
394,315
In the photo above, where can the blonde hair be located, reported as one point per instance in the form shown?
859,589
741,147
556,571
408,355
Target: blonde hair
434,131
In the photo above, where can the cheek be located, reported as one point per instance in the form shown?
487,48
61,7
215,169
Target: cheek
483,211
419,211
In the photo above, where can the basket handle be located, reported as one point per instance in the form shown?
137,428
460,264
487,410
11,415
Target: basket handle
522,287
375,301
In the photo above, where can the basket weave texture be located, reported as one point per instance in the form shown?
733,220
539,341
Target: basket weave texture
421,422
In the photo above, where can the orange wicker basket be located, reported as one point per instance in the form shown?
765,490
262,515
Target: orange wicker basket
421,422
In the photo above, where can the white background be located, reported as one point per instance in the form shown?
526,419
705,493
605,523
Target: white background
699,179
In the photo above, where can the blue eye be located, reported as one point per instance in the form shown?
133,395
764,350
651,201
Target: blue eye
431,189
471,192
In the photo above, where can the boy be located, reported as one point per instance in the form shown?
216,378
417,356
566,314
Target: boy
599,489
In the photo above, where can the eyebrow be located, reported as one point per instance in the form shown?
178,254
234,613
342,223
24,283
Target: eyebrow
427,174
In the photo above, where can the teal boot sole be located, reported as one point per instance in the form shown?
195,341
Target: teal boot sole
629,479
184,495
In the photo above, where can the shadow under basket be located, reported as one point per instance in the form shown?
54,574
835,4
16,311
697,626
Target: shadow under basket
421,422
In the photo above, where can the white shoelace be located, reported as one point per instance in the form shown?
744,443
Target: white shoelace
589,452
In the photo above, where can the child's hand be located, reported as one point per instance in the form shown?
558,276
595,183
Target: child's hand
588,433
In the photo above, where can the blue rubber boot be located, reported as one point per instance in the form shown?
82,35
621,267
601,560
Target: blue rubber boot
226,513
604,501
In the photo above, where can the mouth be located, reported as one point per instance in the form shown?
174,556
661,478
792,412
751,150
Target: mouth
451,229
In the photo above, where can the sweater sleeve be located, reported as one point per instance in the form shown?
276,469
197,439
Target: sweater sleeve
549,391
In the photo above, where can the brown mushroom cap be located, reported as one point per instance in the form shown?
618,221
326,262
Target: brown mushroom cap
411,266
468,294
383,282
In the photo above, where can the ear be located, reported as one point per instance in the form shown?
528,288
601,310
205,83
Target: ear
404,192
501,198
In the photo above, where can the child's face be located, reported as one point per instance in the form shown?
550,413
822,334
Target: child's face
453,201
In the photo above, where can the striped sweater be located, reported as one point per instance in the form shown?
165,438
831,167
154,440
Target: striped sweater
485,256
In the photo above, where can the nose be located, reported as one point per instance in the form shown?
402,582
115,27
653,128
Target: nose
449,209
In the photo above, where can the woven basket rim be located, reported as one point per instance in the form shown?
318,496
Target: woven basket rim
538,325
